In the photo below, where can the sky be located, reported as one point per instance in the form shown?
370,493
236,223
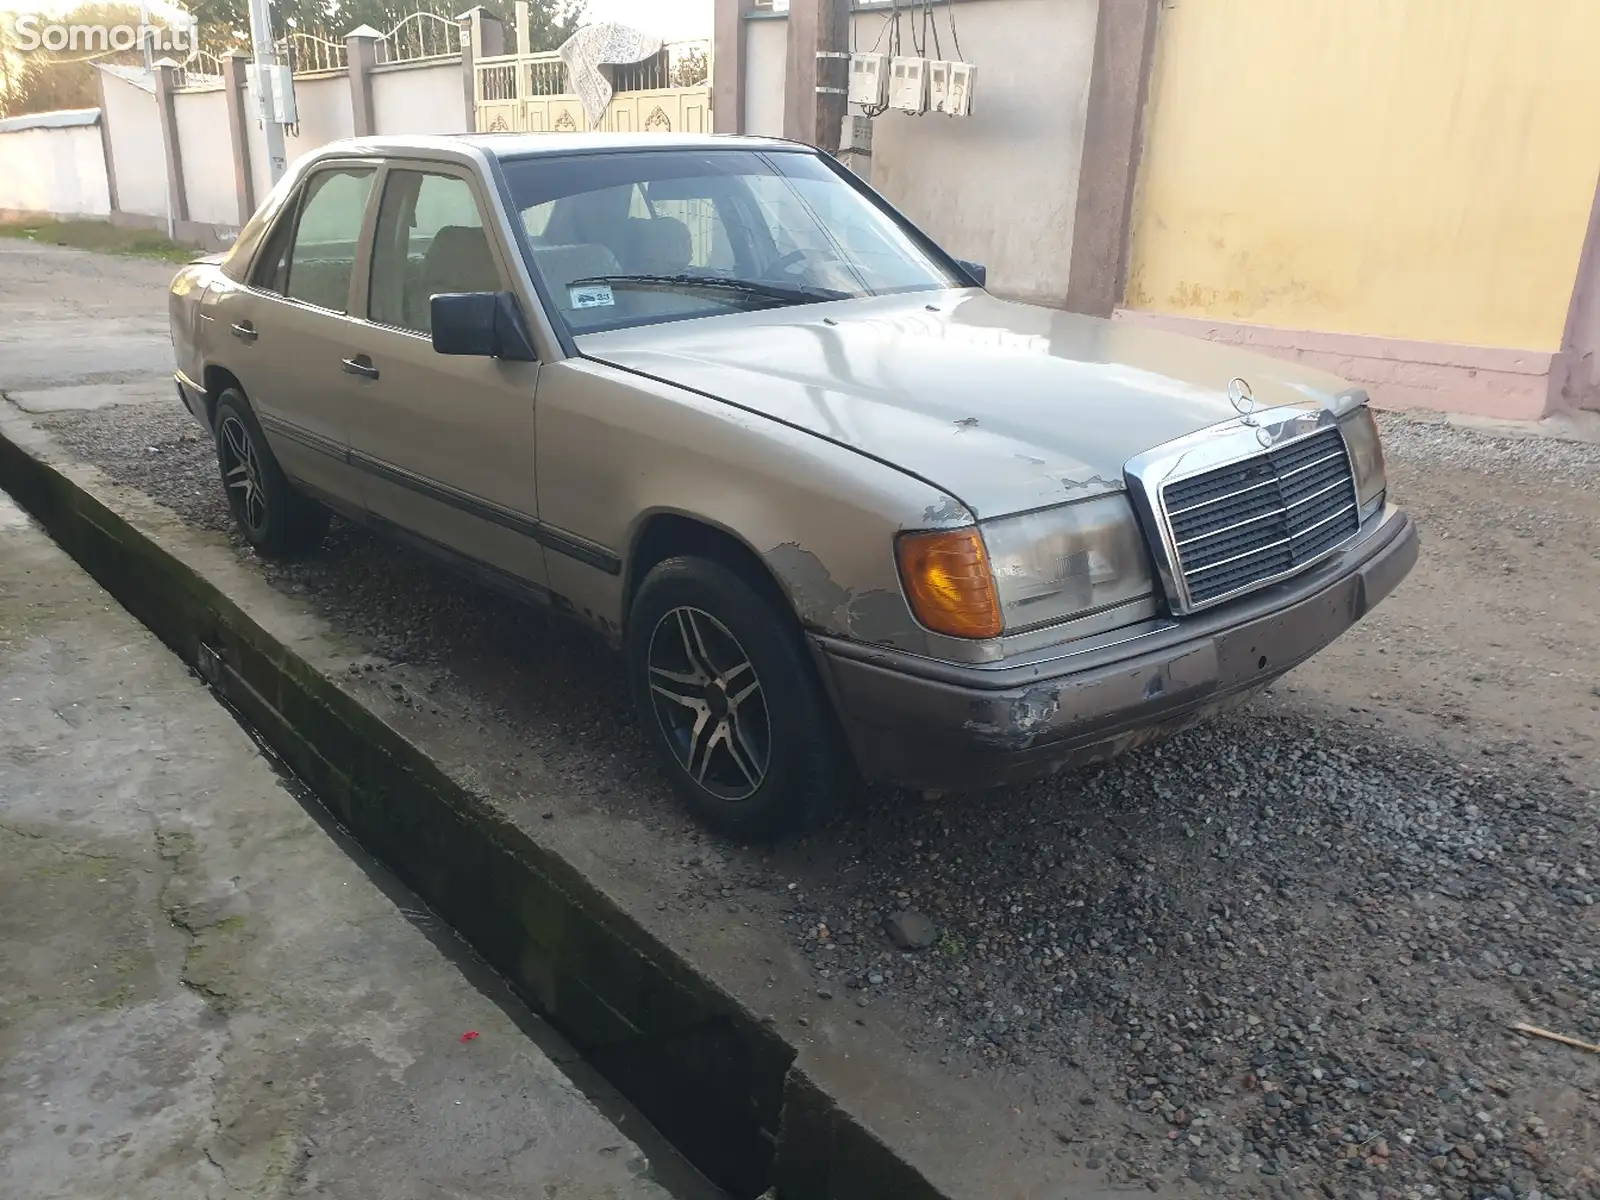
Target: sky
666,18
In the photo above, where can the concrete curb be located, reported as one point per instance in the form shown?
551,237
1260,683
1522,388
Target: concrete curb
714,1078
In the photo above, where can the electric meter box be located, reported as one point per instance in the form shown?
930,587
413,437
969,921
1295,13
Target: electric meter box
908,84
855,134
950,87
869,80
274,93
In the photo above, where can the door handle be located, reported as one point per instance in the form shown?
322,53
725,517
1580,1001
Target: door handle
360,365
245,331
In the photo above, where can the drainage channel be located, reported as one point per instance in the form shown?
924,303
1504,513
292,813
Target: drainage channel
714,1079
668,1166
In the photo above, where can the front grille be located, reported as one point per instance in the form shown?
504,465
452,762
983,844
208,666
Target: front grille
1251,521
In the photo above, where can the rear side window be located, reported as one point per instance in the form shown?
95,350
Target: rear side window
323,255
271,270
430,239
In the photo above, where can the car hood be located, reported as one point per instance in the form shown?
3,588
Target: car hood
1006,406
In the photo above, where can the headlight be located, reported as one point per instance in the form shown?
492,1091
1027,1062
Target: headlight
1062,562
1021,572
1366,459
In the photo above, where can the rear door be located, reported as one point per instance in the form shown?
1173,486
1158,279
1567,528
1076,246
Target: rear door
444,443
288,327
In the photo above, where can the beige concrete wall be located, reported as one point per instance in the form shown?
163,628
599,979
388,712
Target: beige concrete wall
424,98
203,141
136,154
999,187
60,171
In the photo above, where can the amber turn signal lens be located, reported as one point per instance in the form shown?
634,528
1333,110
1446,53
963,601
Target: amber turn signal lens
948,582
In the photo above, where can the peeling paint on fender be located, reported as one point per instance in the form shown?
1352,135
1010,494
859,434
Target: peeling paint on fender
947,512
880,616
817,599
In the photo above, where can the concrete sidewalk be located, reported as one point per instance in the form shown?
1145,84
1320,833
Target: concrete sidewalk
202,994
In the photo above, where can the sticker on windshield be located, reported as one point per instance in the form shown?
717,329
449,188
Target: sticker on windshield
594,295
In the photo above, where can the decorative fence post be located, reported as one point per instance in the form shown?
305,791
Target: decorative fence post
233,77
482,36
166,112
361,52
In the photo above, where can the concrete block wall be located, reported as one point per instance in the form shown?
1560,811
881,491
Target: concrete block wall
57,169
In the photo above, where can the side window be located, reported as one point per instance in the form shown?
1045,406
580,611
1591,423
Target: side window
271,270
430,240
323,256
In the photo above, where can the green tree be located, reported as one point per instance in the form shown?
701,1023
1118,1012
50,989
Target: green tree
34,79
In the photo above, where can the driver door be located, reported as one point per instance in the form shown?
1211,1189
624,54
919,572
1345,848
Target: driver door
444,444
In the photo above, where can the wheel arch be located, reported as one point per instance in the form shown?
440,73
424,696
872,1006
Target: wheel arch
668,533
216,380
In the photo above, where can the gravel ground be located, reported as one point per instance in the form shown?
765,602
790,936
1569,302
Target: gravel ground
1284,948
1434,445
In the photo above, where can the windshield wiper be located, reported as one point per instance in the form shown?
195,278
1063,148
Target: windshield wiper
784,293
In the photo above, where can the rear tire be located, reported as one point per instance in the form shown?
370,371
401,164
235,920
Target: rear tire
277,520
731,703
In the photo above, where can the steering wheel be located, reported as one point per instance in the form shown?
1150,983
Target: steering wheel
795,257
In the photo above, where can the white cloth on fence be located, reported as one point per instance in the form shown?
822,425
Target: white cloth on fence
604,42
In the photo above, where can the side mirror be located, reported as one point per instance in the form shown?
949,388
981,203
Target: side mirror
485,324
977,271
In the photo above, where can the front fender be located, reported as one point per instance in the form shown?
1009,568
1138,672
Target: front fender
616,449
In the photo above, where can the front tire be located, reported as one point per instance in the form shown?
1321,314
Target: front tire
729,700
274,518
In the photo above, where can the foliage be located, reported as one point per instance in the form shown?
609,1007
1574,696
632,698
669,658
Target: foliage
40,80
692,69
99,235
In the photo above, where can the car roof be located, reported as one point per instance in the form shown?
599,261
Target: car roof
522,145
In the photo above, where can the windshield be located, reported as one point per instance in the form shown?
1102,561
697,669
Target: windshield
640,237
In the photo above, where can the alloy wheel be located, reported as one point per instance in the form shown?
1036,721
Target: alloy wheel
709,701
241,471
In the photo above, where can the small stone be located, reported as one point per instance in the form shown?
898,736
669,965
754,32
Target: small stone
1467,1152
824,994
910,930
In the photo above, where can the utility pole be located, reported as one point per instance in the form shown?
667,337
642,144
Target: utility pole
266,58
833,71
817,71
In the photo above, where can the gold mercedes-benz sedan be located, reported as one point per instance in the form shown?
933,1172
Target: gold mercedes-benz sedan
839,506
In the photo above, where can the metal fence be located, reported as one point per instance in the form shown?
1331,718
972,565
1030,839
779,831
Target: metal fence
420,36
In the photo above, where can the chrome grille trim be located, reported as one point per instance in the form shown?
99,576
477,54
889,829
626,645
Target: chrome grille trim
1251,503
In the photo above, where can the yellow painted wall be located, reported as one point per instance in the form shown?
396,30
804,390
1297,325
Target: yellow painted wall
1414,168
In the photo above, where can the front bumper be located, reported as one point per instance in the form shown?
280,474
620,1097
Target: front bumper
919,723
